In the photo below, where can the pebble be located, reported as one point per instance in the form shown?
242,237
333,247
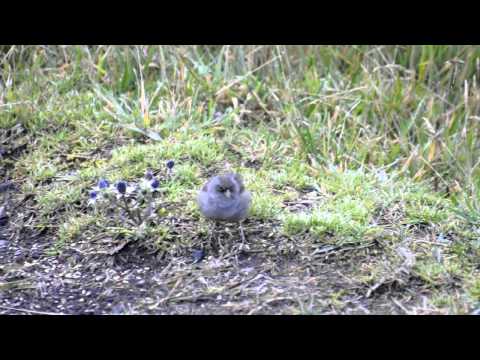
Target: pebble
198,256
19,256
36,254
3,220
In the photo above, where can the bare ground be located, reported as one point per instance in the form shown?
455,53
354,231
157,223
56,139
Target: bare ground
268,276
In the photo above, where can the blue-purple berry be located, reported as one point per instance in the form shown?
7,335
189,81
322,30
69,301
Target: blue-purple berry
122,187
102,184
170,164
155,183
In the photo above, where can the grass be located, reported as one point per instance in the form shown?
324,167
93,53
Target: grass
339,145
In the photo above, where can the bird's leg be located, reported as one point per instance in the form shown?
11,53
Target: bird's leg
211,231
242,234
219,238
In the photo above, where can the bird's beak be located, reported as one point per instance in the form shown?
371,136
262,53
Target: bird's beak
228,193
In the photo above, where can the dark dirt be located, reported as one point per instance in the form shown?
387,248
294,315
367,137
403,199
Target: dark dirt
258,280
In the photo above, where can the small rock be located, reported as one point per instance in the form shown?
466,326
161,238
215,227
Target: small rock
118,309
3,243
3,216
6,185
198,256
36,254
19,256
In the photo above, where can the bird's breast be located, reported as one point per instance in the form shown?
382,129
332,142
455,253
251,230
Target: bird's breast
218,208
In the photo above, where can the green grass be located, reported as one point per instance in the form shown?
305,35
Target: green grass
386,137
353,200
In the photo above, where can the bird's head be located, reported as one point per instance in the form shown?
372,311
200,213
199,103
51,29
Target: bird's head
230,185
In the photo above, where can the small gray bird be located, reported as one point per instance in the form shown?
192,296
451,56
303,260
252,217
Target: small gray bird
224,198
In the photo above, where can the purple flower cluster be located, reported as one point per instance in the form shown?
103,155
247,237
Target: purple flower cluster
130,198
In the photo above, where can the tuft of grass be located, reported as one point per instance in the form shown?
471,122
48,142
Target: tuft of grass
422,214
265,206
321,222
59,196
295,174
136,158
73,228
435,273
474,289
351,206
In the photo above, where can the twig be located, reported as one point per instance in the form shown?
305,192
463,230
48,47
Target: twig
260,307
320,98
383,281
323,250
29,311
431,243
253,251
238,283
129,213
119,247
19,284
336,249
226,87
358,247
192,298
170,293
401,306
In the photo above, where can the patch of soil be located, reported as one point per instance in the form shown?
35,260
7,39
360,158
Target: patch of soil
255,279
304,201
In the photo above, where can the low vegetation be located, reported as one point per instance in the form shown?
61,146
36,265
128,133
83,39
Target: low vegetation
362,162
